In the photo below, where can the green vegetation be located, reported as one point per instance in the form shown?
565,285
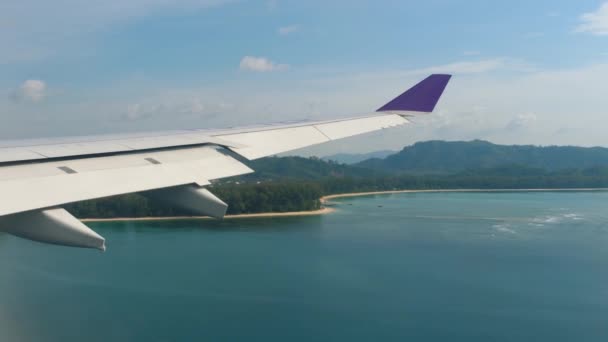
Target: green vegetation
283,184
353,158
450,157
242,198
508,177
298,168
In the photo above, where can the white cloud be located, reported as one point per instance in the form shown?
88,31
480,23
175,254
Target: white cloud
521,121
31,90
181,105
260,64
476,67
134,112
287,30
595,22
139,111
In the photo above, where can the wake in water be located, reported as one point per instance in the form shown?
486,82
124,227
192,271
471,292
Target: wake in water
516,225
504,228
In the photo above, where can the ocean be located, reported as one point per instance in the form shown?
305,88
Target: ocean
514,266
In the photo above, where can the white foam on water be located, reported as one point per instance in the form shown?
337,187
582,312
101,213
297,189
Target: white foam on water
555,219
504,228
573,216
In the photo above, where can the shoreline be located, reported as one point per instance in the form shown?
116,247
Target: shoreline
324,199
327,210
322,211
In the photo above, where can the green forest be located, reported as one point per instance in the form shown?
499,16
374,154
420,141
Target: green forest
297,195
282,184
241,198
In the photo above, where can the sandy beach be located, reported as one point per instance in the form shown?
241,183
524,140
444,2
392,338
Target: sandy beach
321,211
326,200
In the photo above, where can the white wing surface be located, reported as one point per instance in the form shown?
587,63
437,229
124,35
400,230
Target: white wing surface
37,177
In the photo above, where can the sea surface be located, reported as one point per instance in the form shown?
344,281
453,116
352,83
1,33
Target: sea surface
418,267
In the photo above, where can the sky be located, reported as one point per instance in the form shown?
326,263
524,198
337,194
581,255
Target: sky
525,72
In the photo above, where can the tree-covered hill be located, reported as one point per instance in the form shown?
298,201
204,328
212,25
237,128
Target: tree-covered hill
299,168
353,158
433,157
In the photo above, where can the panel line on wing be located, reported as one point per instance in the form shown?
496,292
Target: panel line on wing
320,131
67,170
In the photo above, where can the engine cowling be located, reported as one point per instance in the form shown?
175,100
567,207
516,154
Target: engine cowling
54,226
191,197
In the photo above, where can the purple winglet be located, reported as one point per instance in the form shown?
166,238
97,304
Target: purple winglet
420,98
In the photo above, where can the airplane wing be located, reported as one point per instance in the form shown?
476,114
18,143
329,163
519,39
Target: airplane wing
37,177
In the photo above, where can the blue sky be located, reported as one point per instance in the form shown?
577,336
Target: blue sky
525,71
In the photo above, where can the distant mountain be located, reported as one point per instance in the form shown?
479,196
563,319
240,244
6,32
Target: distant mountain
442,157
299,168
459,158
353,158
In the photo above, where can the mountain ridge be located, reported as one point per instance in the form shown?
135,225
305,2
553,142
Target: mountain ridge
353,158
438,156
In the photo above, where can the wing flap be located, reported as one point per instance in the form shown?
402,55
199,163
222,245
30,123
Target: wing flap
106,145
52,184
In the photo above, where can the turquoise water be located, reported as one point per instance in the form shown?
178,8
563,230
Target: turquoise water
423,267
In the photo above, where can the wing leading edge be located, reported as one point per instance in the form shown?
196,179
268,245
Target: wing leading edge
37,178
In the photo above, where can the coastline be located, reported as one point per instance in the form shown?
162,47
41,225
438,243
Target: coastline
321,211
326,199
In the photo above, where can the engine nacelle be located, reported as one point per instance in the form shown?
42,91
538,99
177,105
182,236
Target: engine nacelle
54,226
193,198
